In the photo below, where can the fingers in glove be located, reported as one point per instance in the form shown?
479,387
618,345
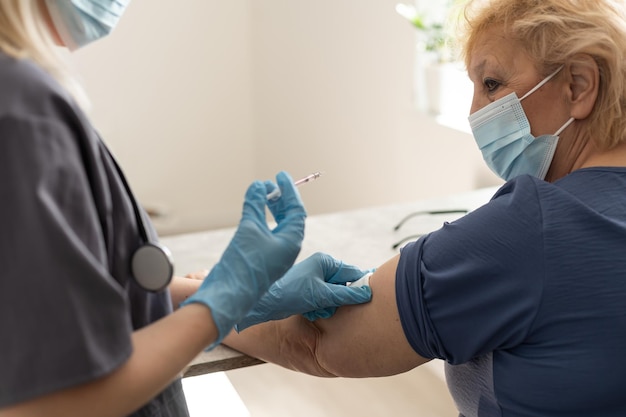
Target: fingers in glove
346,295
254,203
288,210
337,296
289,201
322,313
336,271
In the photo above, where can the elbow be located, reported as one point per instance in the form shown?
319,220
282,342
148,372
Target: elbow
302,348
336,358
334,361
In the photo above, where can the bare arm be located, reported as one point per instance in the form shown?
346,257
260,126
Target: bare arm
358,341
160,352
182,287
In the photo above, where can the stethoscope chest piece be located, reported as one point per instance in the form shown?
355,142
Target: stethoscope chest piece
152,267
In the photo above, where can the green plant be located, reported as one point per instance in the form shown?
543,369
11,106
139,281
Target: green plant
434,36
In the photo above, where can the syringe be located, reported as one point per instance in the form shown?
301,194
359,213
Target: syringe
311,177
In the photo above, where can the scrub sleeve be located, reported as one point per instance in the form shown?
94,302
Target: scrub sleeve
68,305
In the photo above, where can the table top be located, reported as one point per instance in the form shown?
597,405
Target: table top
362,237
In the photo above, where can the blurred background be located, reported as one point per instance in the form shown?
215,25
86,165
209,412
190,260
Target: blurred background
199,98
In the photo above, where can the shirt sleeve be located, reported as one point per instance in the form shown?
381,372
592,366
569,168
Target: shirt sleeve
475,285
63,317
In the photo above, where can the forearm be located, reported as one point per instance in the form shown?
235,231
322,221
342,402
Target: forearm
182,287
317,348
290,343
160,352
363,340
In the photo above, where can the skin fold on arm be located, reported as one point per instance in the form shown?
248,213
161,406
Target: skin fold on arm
365,340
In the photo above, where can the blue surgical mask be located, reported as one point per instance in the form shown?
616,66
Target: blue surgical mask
502,132
80,22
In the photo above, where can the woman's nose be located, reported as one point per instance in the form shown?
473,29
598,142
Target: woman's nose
477,104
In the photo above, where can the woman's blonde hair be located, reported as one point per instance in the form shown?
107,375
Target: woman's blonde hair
553,33
24,34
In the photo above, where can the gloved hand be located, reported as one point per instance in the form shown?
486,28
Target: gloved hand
314,287
256,256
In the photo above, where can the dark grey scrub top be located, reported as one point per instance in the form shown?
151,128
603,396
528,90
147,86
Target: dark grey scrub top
68,304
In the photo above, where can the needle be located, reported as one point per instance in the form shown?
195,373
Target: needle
311,177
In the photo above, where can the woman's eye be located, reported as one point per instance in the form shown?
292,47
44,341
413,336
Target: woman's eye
491,84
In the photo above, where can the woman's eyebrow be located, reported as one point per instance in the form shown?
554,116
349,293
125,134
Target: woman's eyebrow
478,69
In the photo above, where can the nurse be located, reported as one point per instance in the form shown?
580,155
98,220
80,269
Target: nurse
86,303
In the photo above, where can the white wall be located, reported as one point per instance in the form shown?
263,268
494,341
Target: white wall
198,98
171,94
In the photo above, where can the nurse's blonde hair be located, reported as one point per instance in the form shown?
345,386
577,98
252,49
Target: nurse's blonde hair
552,33
24,34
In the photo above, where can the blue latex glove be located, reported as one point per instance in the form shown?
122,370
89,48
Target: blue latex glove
256,256
314,287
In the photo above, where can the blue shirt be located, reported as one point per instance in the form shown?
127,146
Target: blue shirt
525,298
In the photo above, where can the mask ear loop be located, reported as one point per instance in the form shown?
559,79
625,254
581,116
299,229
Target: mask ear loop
569,122
545,80
538,86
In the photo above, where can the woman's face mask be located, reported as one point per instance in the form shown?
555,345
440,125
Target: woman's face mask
80,22
502,132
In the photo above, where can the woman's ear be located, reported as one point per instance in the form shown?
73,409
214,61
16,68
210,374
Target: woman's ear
584,82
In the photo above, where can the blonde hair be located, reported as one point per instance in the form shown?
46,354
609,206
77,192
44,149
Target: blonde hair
553,32
24,34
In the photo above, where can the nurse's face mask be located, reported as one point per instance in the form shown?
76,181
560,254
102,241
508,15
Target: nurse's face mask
80,22
502,132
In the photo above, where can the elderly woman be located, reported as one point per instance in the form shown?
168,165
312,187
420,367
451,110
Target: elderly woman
524,298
